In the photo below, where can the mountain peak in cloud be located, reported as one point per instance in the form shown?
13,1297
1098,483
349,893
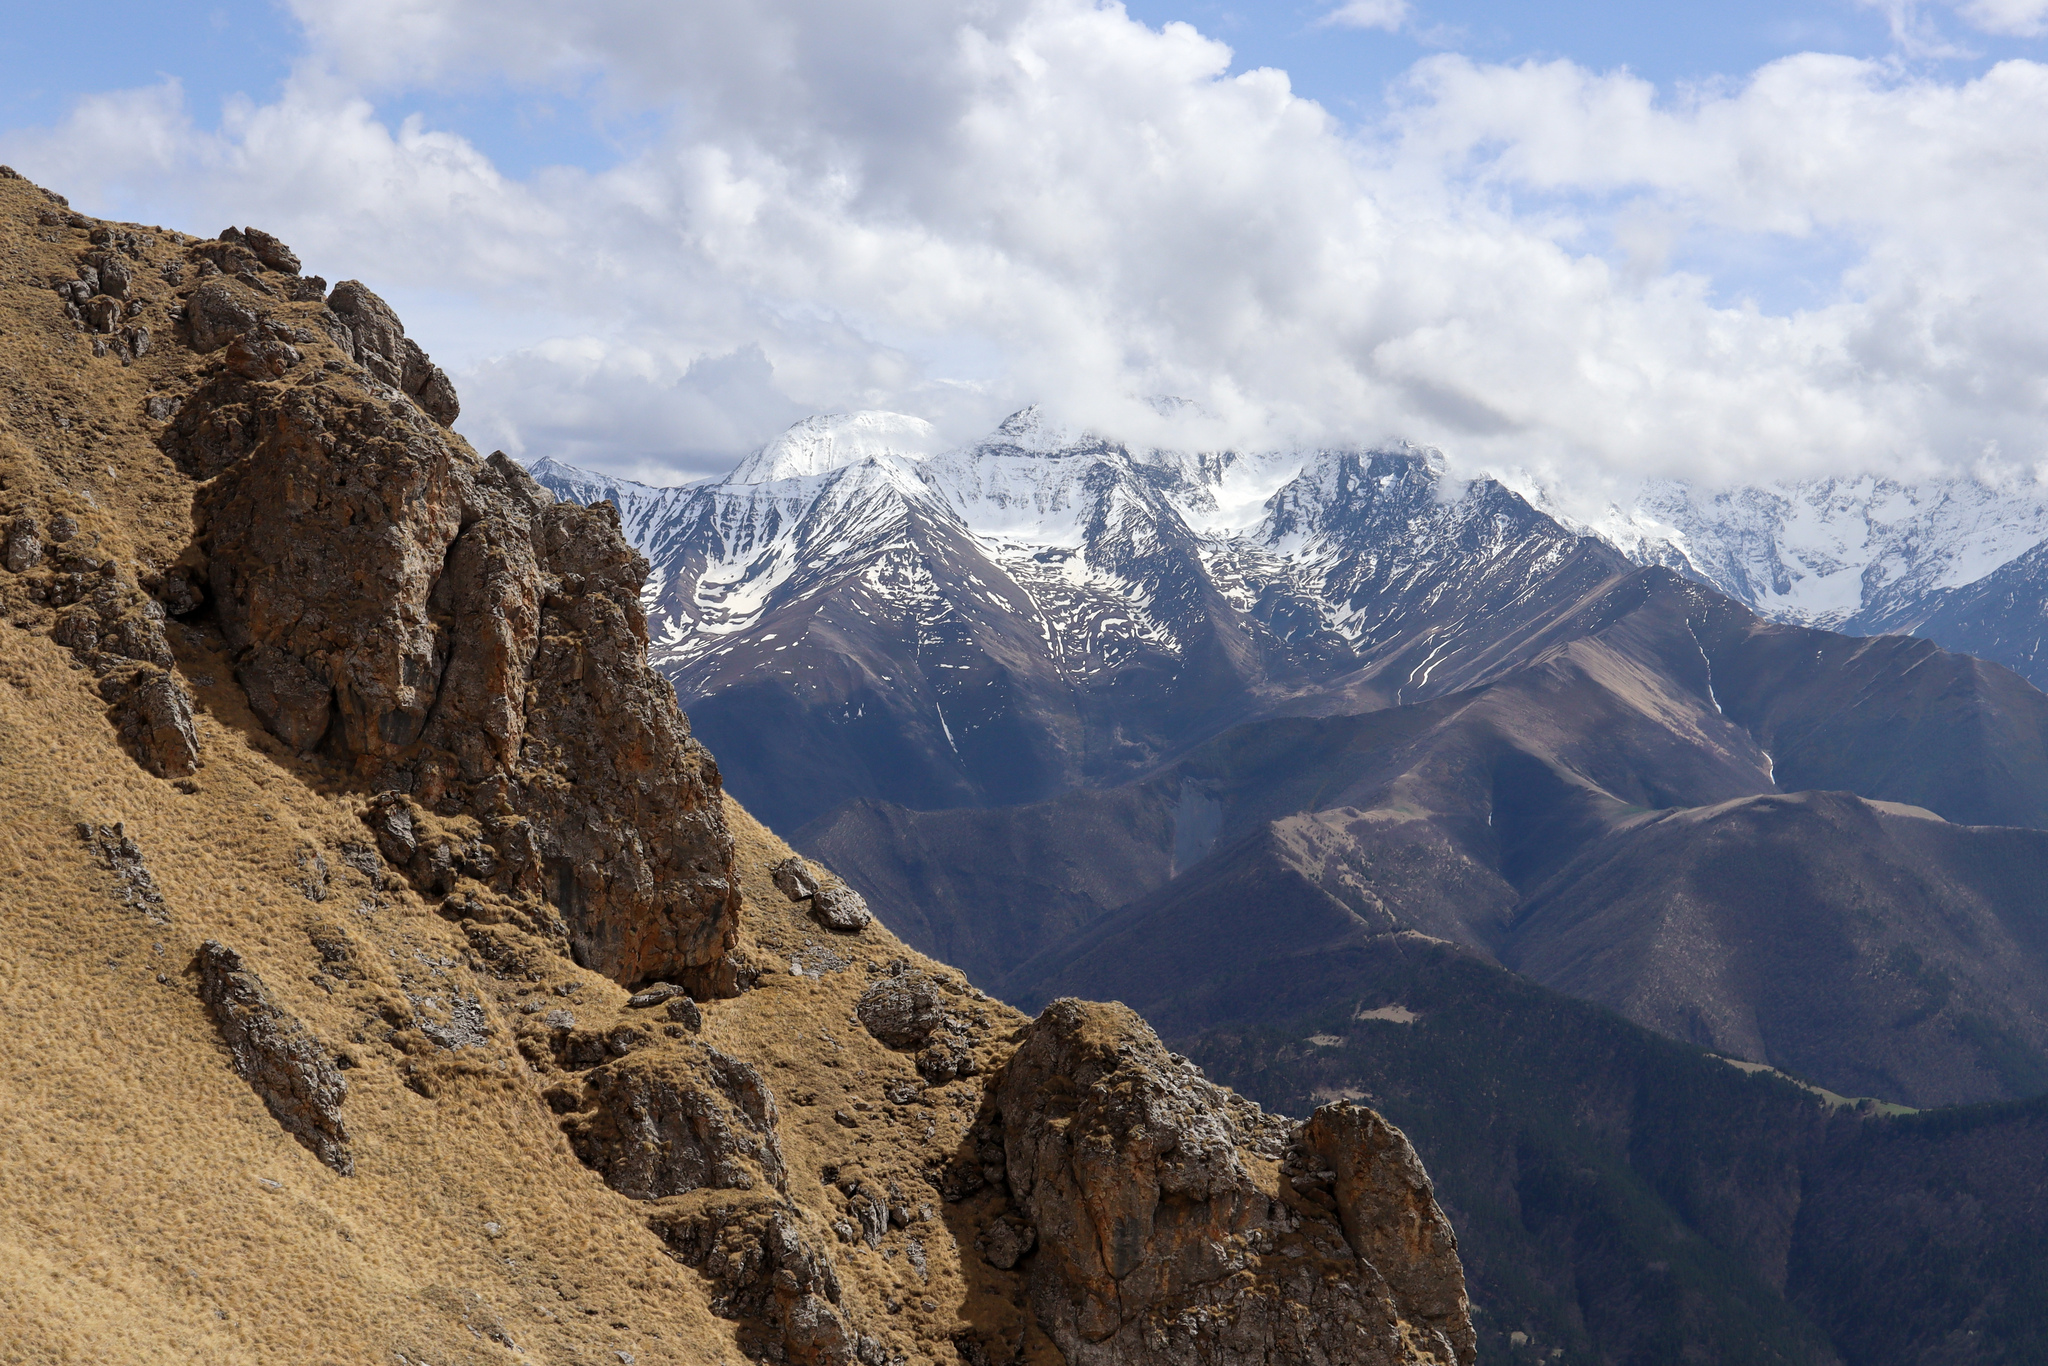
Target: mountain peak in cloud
819,445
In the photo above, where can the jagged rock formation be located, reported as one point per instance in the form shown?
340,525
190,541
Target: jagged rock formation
277,1055
443,627
1167,1235
449,820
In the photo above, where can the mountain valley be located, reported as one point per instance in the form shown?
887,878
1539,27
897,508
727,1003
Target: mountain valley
1288,745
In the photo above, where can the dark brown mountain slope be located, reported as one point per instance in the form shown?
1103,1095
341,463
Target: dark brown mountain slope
342,812
1514,820
1622,1197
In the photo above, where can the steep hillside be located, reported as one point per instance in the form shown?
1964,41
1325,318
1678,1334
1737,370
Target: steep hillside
392,979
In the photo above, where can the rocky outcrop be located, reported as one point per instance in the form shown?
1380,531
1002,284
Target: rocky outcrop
765,1271
662,1122
365,328
690,1127
455,638
152,713
1391,1219
118,853
1166,1234
277,1055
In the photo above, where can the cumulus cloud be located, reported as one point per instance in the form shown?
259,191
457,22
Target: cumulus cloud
1390,15
2023,18
955,209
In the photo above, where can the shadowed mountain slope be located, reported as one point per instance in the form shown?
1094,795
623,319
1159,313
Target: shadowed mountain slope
1626,1198
1043,610
1604,819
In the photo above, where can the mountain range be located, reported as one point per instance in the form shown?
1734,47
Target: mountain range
390,977
1044,608
1307,754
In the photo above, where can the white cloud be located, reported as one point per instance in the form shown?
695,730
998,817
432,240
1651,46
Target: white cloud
1390,15
953,209
2020,18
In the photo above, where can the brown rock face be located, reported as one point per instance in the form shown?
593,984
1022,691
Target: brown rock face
153,715
1391,1218
1167,1234
441,625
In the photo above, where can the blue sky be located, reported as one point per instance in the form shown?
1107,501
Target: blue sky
1582,237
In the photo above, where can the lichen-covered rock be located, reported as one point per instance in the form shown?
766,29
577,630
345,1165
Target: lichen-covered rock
277,1055
794,880
152,713
841,908
450,633
662,1122
1164,1234
364,326
1391,1218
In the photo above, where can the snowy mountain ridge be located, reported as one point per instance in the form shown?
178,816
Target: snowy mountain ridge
1110,602
1046,607
1864,555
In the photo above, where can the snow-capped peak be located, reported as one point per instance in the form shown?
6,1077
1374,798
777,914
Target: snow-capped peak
819,445
1031,429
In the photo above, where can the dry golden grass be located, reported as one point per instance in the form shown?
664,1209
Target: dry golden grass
151,1209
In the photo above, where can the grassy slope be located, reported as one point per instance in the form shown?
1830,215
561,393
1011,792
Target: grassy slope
150,1207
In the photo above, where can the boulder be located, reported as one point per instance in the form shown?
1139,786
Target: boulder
215,317
277,1055
841,908
271,252
1165,1236
116,276
907,1010
23,549
903,1010
793,878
